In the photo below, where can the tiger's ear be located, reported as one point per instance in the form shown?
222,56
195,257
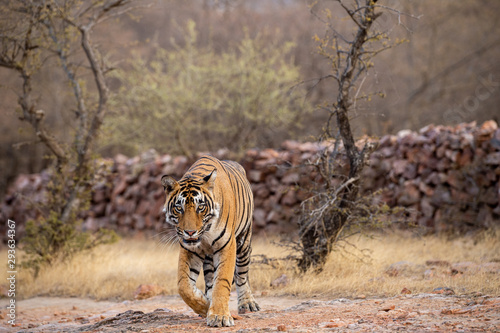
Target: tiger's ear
210,179
168,183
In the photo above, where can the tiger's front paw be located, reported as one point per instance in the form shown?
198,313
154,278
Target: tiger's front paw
250,306
220,320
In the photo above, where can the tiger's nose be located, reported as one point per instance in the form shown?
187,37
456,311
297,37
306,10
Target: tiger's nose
190,232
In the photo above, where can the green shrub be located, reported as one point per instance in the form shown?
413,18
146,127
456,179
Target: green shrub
195,99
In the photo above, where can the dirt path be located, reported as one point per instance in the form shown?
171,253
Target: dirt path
409,313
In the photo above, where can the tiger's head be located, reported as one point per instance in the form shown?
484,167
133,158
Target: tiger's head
190,206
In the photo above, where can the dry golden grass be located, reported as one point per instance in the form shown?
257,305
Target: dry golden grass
345,275
115,271
107,272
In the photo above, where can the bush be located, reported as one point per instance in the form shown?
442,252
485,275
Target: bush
48,240
52,237
194,99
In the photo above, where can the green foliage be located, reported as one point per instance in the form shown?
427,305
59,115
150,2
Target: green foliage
195,99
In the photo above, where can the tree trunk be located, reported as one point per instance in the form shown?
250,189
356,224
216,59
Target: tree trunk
318,235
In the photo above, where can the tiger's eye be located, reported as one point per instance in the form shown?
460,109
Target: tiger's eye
178,207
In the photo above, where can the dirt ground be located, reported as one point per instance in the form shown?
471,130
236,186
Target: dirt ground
409,313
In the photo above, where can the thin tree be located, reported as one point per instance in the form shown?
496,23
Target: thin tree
32,35
350,57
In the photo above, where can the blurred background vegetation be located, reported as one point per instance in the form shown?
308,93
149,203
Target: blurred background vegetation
228,70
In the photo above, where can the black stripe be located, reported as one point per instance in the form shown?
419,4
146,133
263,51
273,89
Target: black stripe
244,263
244,253
223,245
244,240
196,254
221,234
197,272
228,286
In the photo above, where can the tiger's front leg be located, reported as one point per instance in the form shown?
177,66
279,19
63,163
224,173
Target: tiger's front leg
187,274
225,261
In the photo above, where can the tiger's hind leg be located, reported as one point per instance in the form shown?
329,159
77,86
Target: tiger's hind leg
246,301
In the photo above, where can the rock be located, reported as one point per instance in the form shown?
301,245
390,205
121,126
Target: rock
289,199
403,268
256,176
145,291
438,172
428,274
399,166
259,217
291,178
410,195
281,328
273,217
441,197
464,267
281,281
426,208
490,267
388,308
488,127
406,291
444,291
337,322
492,159
119,188
439,263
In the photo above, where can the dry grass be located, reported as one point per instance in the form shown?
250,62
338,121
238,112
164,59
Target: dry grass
115,271
107,272
346,275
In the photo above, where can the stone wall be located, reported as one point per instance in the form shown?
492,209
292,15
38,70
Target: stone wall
448,177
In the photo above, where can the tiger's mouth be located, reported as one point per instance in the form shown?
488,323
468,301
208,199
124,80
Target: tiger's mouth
191,241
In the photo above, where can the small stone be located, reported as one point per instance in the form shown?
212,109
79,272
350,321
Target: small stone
281,281
441,263
444,291
388,308
382,314
281,328
402,268
333,323
236,316
406,291
146,291
464,267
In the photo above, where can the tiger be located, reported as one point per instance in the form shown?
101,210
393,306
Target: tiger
211,209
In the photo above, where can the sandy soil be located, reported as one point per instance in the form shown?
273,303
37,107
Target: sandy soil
409,313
